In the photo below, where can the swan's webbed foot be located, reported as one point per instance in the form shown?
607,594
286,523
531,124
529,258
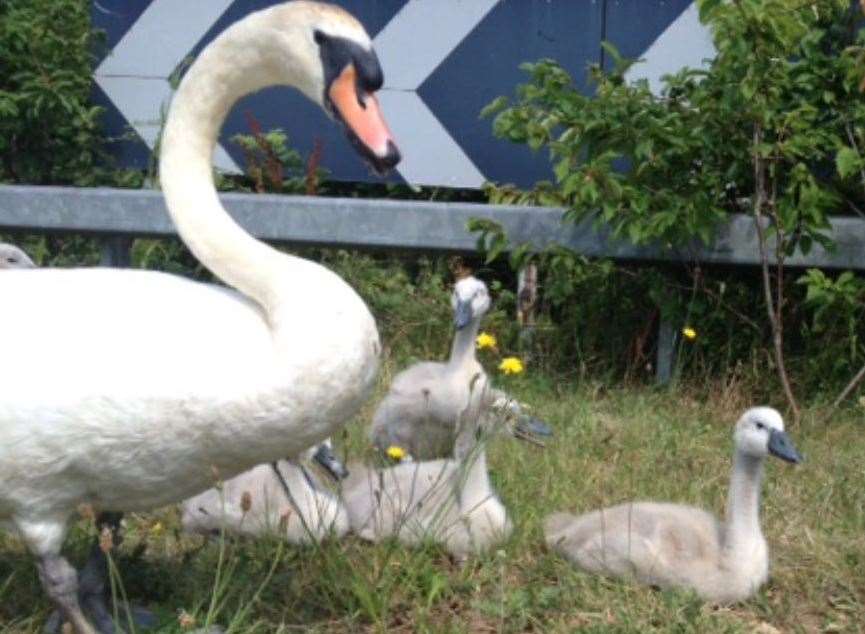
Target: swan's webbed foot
97,611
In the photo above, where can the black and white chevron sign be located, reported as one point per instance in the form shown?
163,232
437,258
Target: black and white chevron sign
443,61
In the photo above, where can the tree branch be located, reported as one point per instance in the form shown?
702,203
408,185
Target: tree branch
774,312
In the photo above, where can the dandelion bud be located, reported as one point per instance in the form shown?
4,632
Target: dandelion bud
106,539
246,501
185,620
283,520
86,512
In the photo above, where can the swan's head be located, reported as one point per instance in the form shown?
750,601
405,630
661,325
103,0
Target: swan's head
760,432
470,301
330,59
11,257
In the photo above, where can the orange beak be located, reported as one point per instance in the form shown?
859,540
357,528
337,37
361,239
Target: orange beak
362,116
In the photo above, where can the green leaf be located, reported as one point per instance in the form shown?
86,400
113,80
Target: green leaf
494,107
847,162
707,8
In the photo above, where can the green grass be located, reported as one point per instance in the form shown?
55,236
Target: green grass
610,446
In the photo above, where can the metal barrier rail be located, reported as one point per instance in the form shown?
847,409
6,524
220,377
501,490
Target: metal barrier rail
391,225
388,224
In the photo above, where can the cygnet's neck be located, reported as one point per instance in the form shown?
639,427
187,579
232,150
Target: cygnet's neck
463,346
742,526
474,483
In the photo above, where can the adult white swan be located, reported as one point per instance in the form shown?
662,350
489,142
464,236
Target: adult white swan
155,381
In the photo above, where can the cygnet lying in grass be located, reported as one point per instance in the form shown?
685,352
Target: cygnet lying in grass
278,499
667,545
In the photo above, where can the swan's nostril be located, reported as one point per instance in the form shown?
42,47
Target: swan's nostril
392,156
381,163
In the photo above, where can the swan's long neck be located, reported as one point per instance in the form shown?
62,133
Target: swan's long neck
240,61
463,346
743,505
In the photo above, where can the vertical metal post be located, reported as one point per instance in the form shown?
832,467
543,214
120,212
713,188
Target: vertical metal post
666,360
115,251
527,298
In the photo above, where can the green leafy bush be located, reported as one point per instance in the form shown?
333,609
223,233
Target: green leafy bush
774,128
49,130
835,313
670,167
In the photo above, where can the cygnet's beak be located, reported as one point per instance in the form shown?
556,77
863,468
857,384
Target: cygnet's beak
333,465
781,446
528,426
463,314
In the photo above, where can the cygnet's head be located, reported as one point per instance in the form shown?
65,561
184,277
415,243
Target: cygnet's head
470,301
11,257
328,55
760,432
323,454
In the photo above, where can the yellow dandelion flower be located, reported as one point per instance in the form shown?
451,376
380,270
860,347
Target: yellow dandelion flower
157,528
485,341
689,333
511,365
395,453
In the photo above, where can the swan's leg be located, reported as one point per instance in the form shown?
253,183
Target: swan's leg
44,538
60,582
93,588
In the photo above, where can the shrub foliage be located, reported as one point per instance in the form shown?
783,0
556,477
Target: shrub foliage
49,130
774,126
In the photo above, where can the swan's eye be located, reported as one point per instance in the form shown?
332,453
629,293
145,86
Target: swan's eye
319,37
760,425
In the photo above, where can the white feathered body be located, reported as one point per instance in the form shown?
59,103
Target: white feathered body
164,383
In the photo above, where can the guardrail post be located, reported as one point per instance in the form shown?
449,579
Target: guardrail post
115,251
527,298
666,357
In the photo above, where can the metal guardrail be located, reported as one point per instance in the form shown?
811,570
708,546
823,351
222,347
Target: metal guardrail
389,224
392,225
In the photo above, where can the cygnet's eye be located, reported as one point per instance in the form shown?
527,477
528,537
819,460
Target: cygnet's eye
760,425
